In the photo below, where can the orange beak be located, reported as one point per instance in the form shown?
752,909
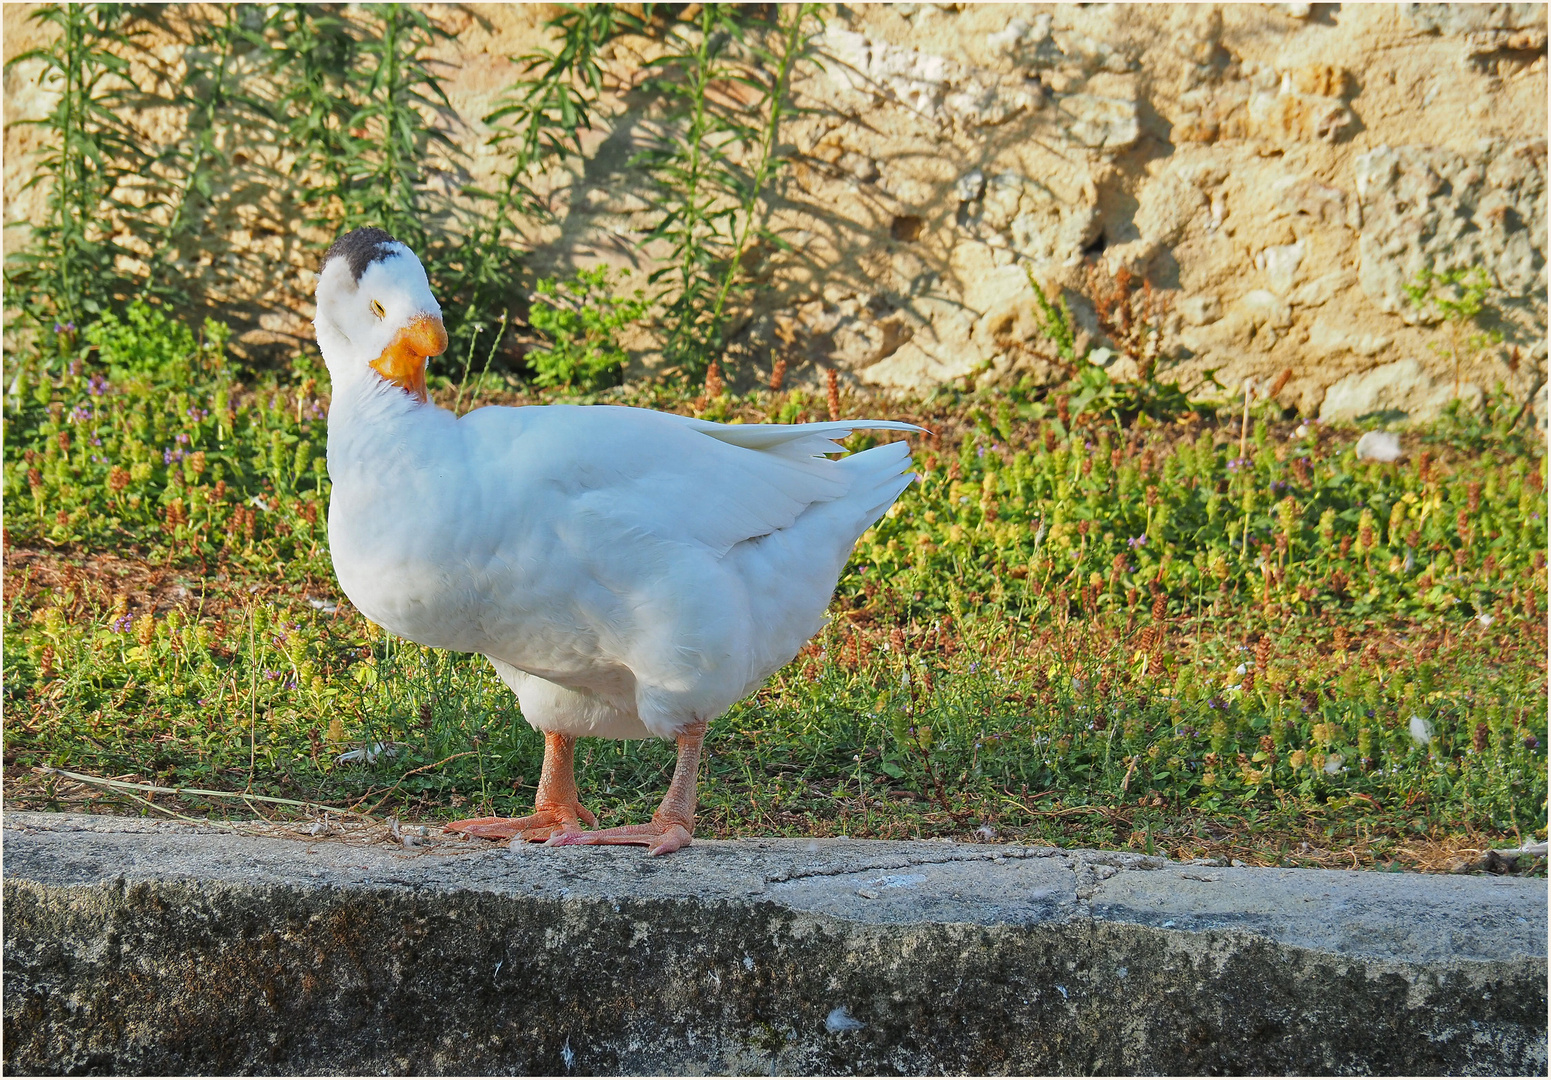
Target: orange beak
402,363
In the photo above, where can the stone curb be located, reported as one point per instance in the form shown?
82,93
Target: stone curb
147,947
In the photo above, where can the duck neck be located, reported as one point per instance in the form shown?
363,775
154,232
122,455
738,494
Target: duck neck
369,423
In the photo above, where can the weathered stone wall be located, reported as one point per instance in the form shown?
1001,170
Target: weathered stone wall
135,947
1276,172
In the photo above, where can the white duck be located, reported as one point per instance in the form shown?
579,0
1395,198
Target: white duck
629,573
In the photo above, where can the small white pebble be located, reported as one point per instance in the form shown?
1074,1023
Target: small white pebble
1421,731
1379,446
1333,764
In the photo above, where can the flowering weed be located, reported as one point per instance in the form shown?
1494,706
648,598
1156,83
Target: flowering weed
1117,632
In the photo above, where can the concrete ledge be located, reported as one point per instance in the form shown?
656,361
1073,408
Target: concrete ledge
139,947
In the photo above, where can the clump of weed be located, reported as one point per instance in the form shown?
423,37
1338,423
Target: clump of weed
581,319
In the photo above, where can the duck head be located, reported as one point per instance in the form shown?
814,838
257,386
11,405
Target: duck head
376,316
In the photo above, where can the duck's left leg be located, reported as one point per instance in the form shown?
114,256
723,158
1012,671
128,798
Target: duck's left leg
556,811
673,825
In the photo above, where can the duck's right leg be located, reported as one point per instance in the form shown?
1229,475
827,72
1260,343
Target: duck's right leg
556,811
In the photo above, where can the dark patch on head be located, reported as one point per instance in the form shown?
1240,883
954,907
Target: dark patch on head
360,248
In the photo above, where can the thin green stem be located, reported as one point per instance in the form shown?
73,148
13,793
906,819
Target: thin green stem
775,101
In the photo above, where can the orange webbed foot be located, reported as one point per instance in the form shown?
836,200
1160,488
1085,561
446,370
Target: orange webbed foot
544,824
673,825
659,838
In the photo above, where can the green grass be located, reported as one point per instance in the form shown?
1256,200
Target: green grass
1057,636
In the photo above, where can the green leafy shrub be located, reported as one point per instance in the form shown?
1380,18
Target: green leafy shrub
582,320
1059,633
147,344
1091,390
144,441
712,159
1458,298
69,272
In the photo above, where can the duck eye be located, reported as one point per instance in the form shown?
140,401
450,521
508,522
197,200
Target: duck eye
377,310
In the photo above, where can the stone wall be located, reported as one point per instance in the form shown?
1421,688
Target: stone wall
136,947
1276,173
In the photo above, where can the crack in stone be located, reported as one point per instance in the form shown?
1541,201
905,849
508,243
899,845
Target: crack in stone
947,858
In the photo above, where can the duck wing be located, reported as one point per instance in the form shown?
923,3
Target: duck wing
675,478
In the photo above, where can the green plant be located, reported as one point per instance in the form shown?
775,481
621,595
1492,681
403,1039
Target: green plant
368,117
1054,638
1458,298
542,116
363,106
145,343
711,158
1054,320
144,441
313,54
196,177
397,110
69,271
537,121
582,319
1091,390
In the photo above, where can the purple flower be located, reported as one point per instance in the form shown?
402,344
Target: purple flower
980,452
180,438
170,455
271,674
98,385
1531,743
80,412
121,625
1138,541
